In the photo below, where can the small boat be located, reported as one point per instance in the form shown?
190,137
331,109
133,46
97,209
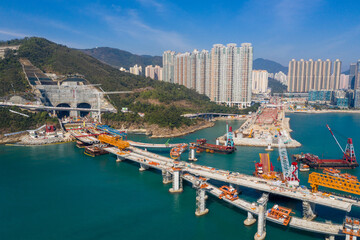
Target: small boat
304,168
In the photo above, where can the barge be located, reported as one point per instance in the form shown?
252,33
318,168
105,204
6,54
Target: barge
229,147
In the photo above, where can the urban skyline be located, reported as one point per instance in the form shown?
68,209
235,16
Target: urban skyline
304,76
223,74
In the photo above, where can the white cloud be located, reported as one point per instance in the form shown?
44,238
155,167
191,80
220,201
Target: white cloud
294,11
127,22
12,34
153,3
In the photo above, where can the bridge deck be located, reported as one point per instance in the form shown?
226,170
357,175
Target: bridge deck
165,164
259,184
152,145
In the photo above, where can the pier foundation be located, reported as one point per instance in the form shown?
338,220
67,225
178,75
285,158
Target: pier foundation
167,178
176,181
192,156
261,229
119,159
332,237
143,167
308,210
200,202
250,220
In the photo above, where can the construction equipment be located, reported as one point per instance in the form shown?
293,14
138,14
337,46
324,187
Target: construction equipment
290,172
349,153
338,183
115,141
250,135
351,228
229,193
176,152
280,213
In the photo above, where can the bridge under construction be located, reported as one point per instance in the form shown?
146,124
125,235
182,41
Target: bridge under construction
198,175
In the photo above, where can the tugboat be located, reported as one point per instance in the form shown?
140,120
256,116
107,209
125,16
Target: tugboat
304,167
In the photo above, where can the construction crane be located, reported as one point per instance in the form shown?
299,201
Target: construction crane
349,153
290,173
102,93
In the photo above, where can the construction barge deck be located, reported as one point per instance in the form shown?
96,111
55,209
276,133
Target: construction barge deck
315,162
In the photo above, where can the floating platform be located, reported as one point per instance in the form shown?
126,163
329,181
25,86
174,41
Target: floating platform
315,162
95,150
202,145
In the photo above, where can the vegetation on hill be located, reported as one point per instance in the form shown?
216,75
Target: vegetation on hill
268,65
120,58
276,86
163,104
12,79
12,122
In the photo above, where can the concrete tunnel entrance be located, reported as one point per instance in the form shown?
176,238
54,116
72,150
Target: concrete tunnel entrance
63,113
83,105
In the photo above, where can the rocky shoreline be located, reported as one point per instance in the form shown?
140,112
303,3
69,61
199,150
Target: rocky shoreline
154,131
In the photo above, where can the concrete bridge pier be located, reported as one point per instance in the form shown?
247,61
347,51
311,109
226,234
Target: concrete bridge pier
261,229
176,181
250,220
119,159
192,154
167,178
201,202
308,210
143,167
331,237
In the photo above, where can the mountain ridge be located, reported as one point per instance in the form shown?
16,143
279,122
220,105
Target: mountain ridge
122,58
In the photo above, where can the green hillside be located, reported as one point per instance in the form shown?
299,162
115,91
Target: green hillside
162,103
12,79
120,58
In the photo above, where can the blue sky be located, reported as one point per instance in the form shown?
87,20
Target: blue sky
279,30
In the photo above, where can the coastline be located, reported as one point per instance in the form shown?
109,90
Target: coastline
239,140
324,111
154,131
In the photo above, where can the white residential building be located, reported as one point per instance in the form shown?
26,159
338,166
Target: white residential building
259,81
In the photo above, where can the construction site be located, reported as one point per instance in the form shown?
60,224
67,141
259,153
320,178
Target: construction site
225,185
262,129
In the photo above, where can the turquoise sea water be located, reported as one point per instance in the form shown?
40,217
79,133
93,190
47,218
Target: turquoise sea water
57,192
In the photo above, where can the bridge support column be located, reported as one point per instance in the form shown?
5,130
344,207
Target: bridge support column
176,181
331,237
166,177
261,229
119,159
200,202
192,154
250,220
143,167
308,210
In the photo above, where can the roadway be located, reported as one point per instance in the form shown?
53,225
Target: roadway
41,107
258,183
152,160
152,145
